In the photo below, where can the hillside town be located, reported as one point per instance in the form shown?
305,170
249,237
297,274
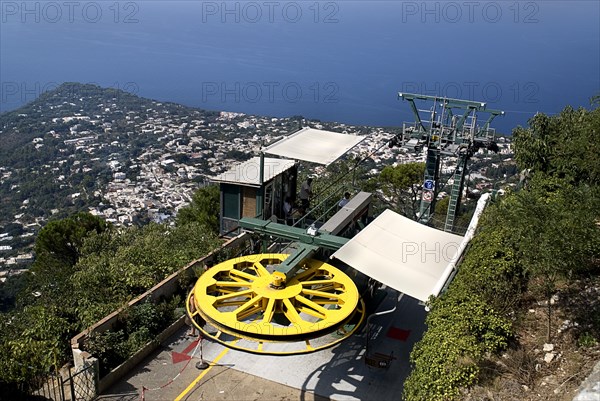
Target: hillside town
133,161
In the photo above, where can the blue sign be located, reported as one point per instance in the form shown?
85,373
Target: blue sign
428,184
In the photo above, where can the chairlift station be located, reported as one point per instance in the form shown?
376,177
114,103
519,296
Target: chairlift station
315,283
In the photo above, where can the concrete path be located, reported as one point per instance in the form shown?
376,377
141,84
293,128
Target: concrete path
338,373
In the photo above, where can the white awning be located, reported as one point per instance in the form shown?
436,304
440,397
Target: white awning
248,172
313,145
402,254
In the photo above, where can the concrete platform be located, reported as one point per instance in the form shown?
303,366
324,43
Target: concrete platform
338,373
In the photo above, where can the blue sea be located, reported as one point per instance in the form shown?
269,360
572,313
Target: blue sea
331,60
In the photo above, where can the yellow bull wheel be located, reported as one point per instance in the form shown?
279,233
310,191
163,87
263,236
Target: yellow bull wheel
246,298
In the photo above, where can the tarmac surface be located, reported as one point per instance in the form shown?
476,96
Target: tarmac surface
337,373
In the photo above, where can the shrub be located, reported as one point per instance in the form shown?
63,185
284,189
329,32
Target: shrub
470,321
461,332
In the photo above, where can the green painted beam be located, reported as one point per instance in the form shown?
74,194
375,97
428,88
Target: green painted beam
308,244
493,114
411,100
291,265
461,122
267,227
450,102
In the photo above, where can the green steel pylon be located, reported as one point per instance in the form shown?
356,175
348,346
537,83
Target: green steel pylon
448,128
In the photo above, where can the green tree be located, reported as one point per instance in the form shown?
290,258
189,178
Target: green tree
203,209
57,249
564,146
534,144
62,239
114,267
556,216
32,341
555,224
400,186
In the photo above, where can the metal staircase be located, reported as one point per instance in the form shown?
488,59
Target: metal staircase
456,193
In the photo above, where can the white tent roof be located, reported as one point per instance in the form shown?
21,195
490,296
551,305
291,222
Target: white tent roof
313,145
401,253
248,172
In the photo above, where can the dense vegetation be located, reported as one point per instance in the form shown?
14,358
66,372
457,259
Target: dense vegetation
84,270
530,241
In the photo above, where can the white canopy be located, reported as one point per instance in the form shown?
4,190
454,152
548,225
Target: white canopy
248,172
313,145
402,254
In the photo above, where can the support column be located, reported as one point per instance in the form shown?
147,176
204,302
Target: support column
260,192
428,194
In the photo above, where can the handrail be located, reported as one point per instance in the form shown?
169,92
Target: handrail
308,212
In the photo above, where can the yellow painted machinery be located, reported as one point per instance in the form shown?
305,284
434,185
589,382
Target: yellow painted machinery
282,304
251,306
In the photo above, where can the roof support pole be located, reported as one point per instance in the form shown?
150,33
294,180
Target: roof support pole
261,168
260,192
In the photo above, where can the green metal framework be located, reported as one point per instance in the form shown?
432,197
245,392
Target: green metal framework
447,128
307,244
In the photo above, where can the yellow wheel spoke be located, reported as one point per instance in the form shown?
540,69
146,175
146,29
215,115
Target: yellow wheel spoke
249,312
232,284
306,275
326,288
310,312
234,295
247,305
261,270
325,302
221,291
318,282
240,280
310,271
321,294
269,311
291,313
240,273
318,310
231,303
